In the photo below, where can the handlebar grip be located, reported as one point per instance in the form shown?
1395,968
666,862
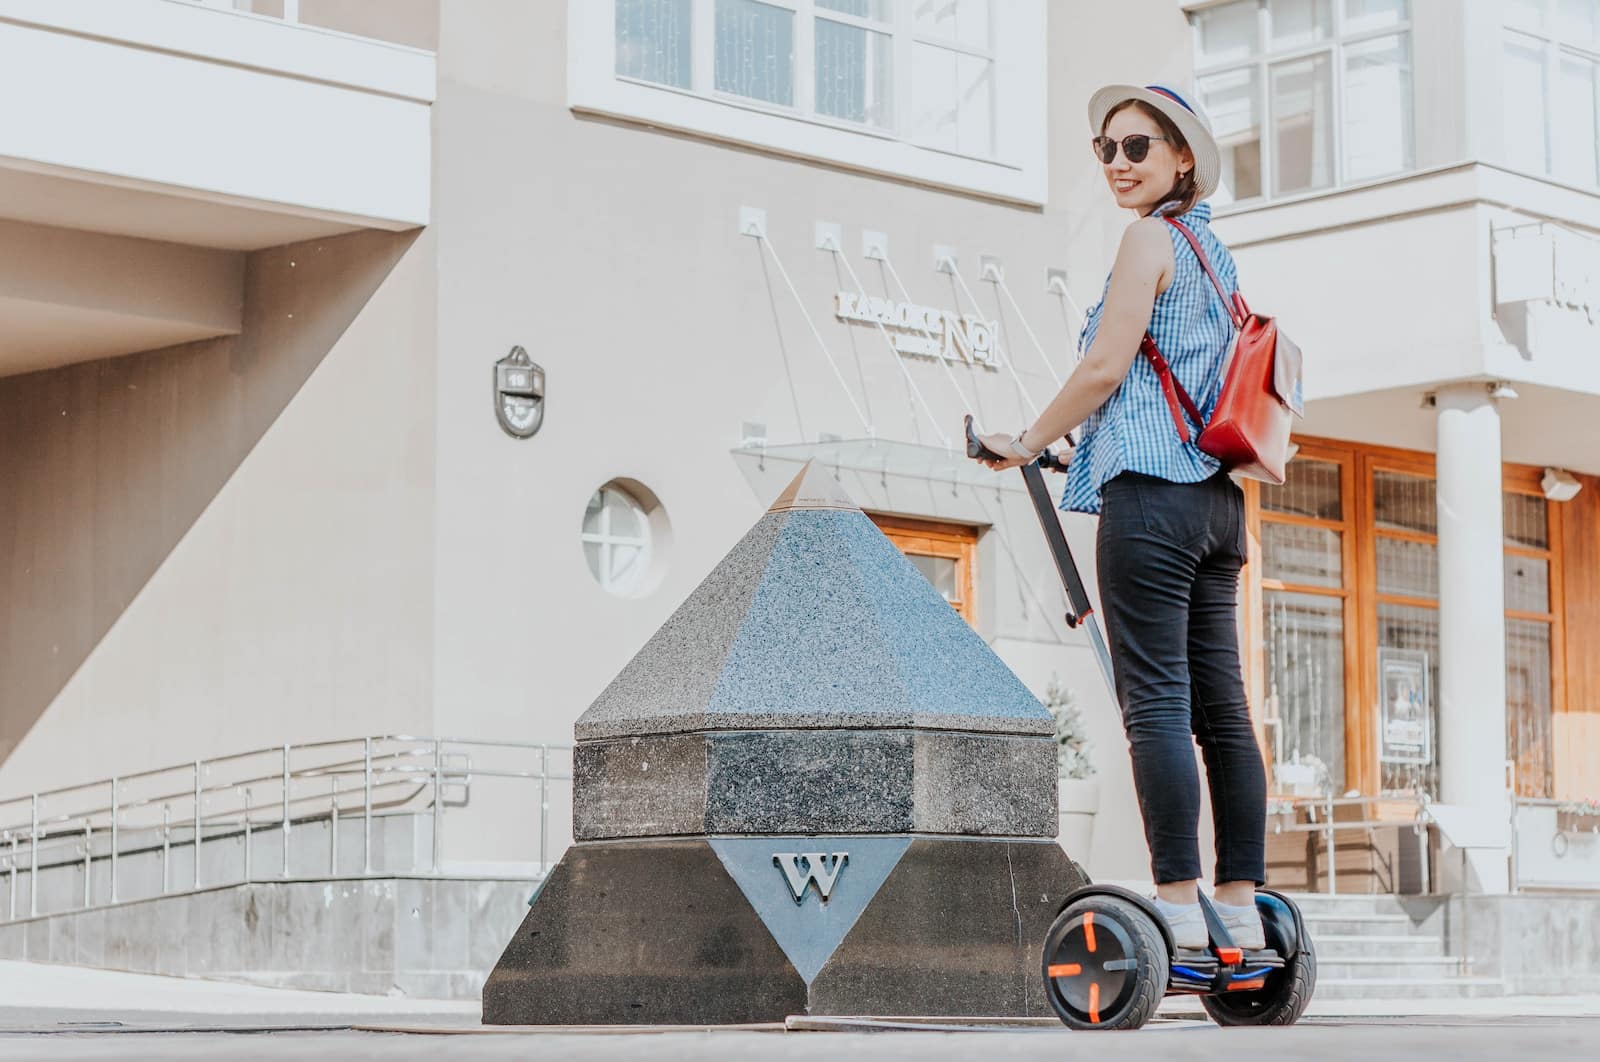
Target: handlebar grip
1048,460
975,448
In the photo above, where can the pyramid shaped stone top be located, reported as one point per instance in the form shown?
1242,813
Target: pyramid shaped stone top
813,488
814,620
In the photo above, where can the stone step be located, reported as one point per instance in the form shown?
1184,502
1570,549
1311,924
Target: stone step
1363,925
1361,968
1410,988
1355,904
1332,947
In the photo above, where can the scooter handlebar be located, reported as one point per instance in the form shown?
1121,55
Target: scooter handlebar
1048,459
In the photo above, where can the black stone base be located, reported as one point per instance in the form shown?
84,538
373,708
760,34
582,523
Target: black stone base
688,931
765,782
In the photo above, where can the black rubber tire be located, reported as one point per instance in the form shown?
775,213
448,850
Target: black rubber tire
1281,1001
1131,937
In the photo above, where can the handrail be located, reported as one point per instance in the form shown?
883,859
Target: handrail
227,797
271,750
1329,826
321,770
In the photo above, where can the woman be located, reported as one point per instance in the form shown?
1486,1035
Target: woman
1171,538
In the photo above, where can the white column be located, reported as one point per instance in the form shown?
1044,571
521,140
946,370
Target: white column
1472,640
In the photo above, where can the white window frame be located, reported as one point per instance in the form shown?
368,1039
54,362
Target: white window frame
608,542
1265,58
1016,170
1555,48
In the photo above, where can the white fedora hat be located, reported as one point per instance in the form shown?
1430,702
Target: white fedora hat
1189,118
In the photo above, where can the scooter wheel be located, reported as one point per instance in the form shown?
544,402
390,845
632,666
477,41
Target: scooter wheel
1281,1000
1105,964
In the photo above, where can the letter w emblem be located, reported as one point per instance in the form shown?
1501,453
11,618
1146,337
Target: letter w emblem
801,869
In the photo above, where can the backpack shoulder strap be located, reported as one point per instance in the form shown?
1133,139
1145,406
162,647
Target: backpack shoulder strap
1230,305
1178,400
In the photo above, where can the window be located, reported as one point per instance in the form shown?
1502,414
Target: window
943,553
947,91
1347,573
1305,596
1305,94
1530,629
1550,58
855,61
653,41
1405,544
754,51
623,526
938,52
952,81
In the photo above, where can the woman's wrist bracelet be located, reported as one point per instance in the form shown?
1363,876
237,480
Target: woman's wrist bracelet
1020,448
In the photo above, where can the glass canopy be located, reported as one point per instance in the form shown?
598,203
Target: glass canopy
890,458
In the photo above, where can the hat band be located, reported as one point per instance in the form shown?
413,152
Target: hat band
1171,95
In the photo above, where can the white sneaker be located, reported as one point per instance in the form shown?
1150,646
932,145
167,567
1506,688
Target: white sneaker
1244,925
1187,923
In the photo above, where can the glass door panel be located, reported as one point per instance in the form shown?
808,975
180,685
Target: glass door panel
1528,715
1303,717
1407,709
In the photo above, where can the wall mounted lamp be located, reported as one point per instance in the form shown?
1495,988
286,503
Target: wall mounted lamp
1560,485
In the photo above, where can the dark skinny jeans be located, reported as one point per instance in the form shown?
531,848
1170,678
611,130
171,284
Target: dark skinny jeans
1168,559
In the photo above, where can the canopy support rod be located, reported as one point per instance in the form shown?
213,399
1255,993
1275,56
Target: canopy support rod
821,345
1000,282
1006,361
894,355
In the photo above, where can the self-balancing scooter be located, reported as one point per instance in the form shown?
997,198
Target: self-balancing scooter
1109,956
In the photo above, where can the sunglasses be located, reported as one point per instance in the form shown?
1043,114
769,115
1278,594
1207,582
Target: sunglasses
1136,146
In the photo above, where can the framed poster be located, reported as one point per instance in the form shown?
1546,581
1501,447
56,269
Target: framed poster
1405,706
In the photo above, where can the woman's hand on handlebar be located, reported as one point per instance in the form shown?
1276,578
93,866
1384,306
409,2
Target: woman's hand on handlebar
1008,450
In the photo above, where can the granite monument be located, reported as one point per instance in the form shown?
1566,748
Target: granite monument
815,790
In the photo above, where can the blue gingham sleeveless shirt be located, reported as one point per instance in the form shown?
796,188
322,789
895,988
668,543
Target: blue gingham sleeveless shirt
1133,430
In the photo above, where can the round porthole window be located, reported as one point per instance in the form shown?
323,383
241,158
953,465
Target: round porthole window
625,532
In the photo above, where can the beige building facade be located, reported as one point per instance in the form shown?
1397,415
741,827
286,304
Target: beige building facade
253,489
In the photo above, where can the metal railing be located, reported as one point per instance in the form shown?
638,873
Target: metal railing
1568,858
1321,815
159,814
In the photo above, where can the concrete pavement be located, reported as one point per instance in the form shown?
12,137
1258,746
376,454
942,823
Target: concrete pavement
1176,1041
61,1012
39,995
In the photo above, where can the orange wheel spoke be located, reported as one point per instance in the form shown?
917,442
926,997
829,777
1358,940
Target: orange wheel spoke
1094,1002
1065,969
1088,931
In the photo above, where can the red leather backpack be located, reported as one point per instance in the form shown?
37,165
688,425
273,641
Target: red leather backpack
1249,429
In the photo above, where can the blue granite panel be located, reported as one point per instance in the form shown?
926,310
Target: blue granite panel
844,631
814,620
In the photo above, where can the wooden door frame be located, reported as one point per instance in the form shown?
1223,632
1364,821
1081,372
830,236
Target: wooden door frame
1254,592
1357,463
937,538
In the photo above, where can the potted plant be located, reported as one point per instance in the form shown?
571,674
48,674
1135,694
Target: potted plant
1079,792
1578,816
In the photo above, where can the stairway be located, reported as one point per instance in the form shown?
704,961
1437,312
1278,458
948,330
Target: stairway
1380,947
